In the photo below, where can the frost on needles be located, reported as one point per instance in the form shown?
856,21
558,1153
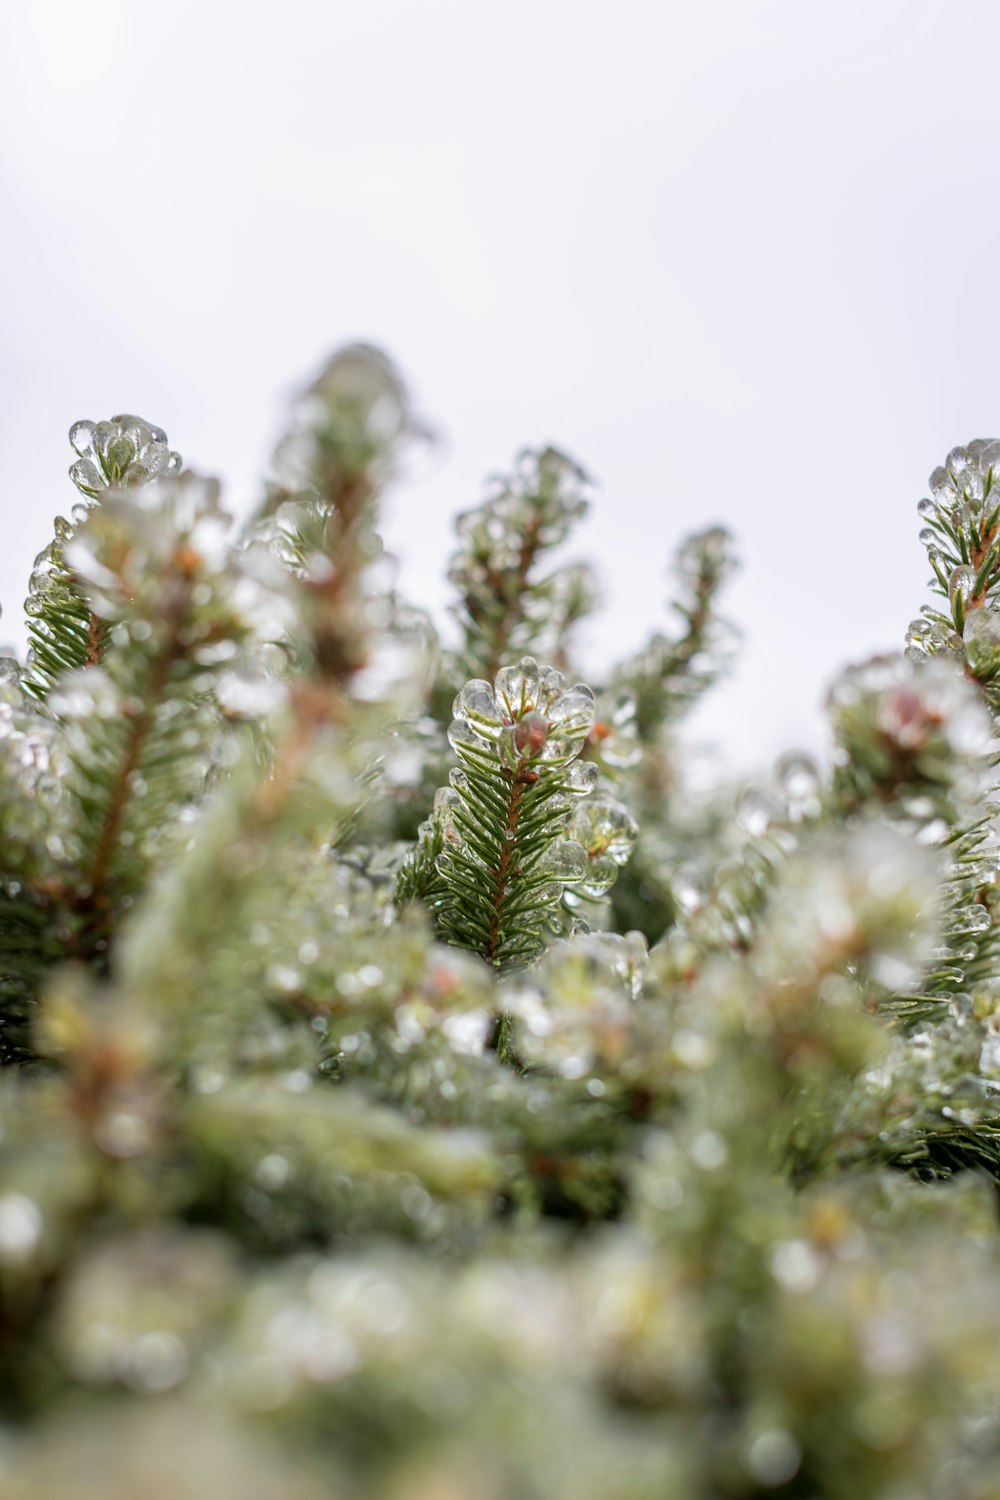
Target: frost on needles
413,1086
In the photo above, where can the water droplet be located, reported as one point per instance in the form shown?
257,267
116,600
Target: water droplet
796,1265
581,777
272,1172
774,1457
798,775
81,437
756,811
517,687
600,877
477,705
708,1150
567,861
981,637
127,450
690,888
249,694
461,736
605,828
974,918
468,1032
572,713
87,478
86,692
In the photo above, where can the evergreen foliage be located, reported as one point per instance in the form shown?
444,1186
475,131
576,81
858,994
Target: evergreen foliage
412,1088
506,605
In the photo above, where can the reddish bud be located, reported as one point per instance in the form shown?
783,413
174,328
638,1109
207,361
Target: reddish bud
530,733
906,719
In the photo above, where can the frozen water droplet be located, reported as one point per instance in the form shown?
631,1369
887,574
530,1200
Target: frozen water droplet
798,775
155,459
459,779
942,488
600,877
249,694
87,478
81,437
581,777
548,894
467,1032
920,634
572,713
973,919
690,888
567,861
507,750
981,637
86,692
445,800
517,687
461,736
774,1457
756,811
550,684
624,709
476,704
605,828
125,451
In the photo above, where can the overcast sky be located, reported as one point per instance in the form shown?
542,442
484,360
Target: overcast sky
740,259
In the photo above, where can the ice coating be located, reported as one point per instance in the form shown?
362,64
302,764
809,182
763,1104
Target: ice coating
529,710
126,450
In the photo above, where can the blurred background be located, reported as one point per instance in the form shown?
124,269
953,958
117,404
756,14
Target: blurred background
738,258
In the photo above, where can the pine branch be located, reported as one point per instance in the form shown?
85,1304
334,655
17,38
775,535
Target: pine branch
271,1166
64,633
607,833
506,860
318,520
128,744
141,729
670,674
418,877
505,608
912,741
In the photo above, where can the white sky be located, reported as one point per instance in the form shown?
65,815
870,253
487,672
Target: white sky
740,259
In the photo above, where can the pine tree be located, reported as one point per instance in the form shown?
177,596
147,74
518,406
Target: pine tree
411,1087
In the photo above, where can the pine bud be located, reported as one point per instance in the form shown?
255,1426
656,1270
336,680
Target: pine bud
531,733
